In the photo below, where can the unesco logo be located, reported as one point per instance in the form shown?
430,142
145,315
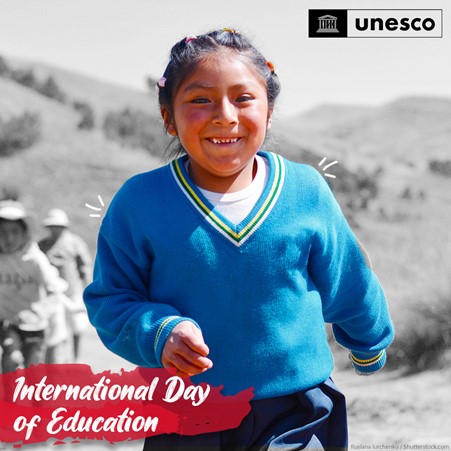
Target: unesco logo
330,23
375,23
327,24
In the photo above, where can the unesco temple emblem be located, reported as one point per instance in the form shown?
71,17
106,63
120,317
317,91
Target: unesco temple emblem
327,24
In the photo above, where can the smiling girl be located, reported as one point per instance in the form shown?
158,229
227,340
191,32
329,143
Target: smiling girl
225,263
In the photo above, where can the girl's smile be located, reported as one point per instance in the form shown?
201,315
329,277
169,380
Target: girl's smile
221,116
223,140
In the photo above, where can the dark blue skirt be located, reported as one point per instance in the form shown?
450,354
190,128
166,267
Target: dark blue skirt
311,419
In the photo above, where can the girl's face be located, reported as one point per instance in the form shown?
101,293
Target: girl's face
12,236
221,116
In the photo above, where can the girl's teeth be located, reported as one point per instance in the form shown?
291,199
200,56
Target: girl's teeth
224,141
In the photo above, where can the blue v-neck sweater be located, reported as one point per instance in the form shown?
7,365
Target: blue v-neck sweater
260,291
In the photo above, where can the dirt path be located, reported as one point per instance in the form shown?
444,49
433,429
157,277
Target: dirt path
387,411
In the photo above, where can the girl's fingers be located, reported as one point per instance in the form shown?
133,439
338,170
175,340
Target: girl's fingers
186,350
193,357
196,343
192,337
183,367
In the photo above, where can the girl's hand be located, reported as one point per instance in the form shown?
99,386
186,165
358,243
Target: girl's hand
186,350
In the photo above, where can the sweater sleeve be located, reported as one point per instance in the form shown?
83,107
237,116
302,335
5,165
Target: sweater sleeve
352,297
117,300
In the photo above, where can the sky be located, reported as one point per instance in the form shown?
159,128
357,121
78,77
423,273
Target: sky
124,41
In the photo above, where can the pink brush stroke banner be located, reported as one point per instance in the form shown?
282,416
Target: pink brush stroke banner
71,402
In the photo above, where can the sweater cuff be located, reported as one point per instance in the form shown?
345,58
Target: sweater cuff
368,362
162,329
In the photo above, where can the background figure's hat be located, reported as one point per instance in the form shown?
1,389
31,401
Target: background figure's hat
12,210
56,217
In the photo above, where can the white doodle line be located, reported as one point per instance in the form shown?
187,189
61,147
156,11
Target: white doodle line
96,215
327,166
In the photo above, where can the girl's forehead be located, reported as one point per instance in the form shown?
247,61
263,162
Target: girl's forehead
224,66
222,56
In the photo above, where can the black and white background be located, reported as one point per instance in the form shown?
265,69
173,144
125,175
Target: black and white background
72,73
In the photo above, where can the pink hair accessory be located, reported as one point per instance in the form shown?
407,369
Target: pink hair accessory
190,38
160,84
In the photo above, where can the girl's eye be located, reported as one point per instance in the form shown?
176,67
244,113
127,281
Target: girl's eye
200,100
244,98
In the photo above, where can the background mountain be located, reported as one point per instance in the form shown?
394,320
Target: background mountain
414,130
68,166
393,180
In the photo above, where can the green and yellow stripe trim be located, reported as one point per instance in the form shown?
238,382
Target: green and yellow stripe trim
161,328
237,237
368,362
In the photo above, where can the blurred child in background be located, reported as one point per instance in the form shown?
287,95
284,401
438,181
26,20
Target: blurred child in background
70,254
30,291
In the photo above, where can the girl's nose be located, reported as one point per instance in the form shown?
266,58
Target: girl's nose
225,114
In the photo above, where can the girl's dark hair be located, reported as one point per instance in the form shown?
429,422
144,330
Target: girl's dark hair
189,51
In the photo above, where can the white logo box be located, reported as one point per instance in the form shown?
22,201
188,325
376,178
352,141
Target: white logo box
395,23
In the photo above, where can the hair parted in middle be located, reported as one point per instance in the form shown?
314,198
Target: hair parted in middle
186,54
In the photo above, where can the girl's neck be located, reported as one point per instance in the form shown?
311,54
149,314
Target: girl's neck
230,184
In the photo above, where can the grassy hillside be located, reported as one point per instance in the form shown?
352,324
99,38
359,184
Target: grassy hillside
407,131
69,167
102,95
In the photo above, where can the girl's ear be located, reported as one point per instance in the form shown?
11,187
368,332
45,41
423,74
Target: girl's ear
168,122
268,120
